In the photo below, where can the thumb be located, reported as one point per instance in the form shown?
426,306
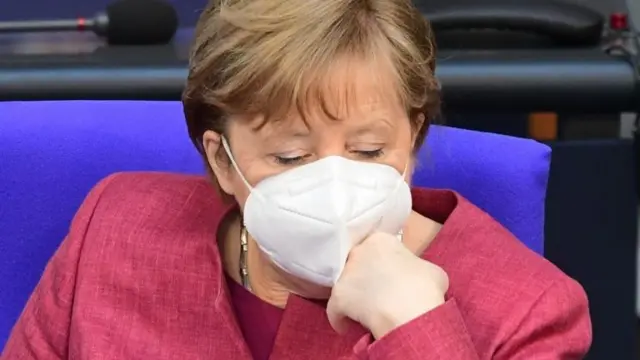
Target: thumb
337,319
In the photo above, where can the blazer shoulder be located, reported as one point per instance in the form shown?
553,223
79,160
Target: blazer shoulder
146,203
498,282
151,183
131,191
477,241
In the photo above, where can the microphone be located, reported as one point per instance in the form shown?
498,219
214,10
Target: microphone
125,22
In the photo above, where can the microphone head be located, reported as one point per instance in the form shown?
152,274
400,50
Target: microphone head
141,22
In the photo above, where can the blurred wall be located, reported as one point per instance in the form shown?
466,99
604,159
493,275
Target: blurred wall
634,9
189,9
46,9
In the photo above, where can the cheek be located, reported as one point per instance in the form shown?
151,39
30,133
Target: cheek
254,171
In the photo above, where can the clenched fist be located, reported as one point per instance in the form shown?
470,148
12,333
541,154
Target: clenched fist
384,285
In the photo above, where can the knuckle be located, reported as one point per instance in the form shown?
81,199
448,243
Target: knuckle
356,252
438,276
336,302
338,290
443,278
379,241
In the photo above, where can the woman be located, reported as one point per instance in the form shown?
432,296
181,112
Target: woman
308,114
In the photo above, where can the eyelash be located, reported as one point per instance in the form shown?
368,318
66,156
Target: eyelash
289,161
369,154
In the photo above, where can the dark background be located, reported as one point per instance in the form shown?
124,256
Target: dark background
188,9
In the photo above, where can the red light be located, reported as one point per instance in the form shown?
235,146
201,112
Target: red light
82,24
619,21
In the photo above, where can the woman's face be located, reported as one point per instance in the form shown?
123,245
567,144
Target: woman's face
371,125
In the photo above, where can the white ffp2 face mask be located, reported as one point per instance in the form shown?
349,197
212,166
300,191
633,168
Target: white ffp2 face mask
308,218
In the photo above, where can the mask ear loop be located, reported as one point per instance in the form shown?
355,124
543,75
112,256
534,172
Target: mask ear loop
406,168
227,149
400,234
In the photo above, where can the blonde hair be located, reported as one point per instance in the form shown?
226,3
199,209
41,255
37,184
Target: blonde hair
263,57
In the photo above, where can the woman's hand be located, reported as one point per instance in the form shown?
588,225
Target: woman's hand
384,286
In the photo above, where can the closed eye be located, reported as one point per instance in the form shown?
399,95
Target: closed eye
293,160
370,154
289,160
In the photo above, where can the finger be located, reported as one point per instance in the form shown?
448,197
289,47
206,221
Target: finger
380,238
441,277
337,319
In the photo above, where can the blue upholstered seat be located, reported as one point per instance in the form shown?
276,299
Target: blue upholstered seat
52,153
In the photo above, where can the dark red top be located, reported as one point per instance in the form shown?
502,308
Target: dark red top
258,320
139,276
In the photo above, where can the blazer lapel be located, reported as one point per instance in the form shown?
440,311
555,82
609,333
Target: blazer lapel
305,333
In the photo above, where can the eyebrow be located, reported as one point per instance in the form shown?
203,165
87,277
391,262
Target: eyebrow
288,134
375,125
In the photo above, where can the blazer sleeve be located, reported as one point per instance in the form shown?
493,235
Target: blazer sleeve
556,327
42,331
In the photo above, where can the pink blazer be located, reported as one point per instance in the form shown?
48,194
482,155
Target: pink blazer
139,277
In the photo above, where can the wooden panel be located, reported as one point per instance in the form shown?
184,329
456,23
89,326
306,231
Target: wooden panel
543,126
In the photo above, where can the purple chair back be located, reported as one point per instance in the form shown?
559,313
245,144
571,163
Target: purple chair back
53,153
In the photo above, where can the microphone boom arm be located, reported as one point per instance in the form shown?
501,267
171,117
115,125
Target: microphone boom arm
98,24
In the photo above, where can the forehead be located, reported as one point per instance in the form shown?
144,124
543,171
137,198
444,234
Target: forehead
349,91
357,85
